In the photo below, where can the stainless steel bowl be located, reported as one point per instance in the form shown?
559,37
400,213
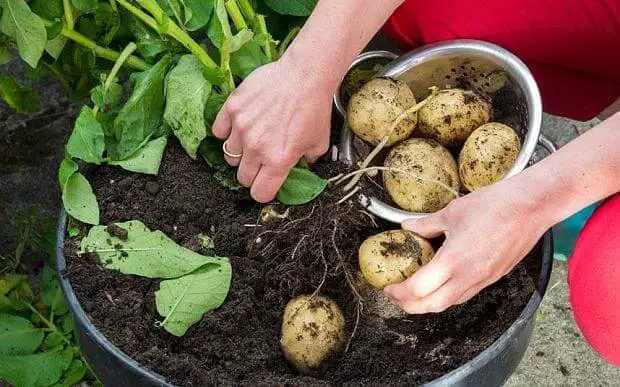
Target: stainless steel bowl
483,66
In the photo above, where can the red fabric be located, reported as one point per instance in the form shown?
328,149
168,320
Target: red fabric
594,280
571,46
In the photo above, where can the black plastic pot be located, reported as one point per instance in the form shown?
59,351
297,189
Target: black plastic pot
490,368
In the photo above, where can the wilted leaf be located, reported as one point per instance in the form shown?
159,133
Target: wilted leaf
87,141
141,251
146,160
22,99
79,199
185,300
187,92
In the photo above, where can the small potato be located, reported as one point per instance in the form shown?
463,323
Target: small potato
453,115
430,180
488,154
374,108
312,328
393,256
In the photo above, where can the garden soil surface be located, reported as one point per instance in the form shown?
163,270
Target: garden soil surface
311,247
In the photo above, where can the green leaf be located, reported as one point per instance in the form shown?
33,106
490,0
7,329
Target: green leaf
150,43
108,100
87,141
66,323
85,6
74,374
108,22
146,160
55,46
132,248
214,105
42,369
19,22
248,58
172,8
15,293
48,9
197,13
301,186
67,168
51,295
21,98
187,92
185,300
6,54
142,114
79,199
18,336
52,341
53,30
292,7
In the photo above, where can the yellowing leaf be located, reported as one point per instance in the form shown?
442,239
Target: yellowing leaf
79,199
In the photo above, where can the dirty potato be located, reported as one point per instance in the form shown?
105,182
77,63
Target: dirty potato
424,176
488,155
453,115
376,106
393,256
312,328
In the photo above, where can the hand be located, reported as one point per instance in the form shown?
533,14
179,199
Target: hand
487,233
277,116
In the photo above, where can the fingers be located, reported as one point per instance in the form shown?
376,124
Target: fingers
268,182
223,123
248,169
430,226
313,155
438,301
424,282
235,147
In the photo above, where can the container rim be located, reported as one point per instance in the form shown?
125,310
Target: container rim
448,379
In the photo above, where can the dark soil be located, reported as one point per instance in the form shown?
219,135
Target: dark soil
238,344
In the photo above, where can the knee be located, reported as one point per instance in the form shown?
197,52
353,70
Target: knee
594,280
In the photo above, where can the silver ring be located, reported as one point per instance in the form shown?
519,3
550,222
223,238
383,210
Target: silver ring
227,153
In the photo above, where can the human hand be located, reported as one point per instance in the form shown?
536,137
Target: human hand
487,233
277,116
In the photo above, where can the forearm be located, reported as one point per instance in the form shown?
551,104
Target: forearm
336,32
583,172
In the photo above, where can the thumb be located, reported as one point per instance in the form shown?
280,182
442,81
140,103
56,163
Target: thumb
430,226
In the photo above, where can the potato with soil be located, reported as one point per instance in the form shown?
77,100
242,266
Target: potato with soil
376,106
312,328
424,176
393,256
453,115
488,155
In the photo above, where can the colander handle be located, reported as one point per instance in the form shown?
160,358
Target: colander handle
546,143
366,56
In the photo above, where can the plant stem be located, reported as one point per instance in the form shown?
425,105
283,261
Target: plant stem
235,14
173,30
287,41
66,4
269,47
247,10
125,54
103,52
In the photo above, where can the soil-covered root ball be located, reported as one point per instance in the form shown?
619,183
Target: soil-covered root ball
393,256
422,176
453,115
312,328
375,107
488,155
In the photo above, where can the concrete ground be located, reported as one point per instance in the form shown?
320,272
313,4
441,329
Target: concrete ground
558,355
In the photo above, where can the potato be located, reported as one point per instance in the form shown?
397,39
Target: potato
393,256
376,106
488,155
312,328
453,115
431,178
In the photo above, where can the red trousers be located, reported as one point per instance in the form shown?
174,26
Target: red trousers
573,49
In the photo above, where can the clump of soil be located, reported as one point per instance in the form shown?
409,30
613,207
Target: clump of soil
314,248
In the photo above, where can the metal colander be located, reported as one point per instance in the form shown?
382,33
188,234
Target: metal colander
469,64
